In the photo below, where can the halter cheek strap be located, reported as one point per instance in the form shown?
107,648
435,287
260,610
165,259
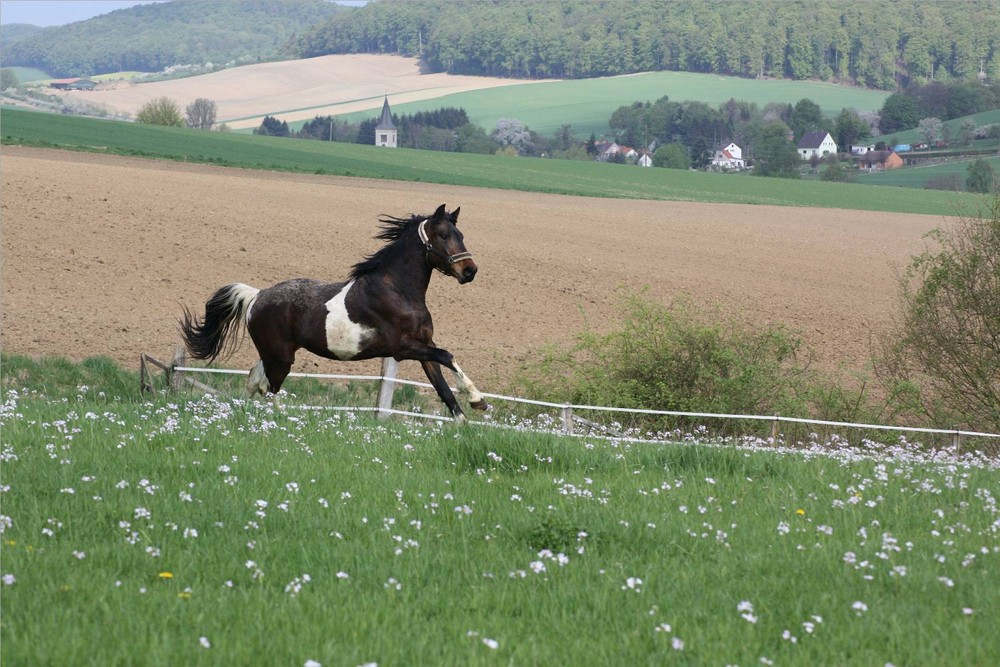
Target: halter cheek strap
451,259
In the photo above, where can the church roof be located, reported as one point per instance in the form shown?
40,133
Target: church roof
385,122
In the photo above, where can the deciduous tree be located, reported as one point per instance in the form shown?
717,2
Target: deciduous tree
160,111
200,114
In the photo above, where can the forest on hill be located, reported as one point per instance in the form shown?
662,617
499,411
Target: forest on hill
153,37
880,44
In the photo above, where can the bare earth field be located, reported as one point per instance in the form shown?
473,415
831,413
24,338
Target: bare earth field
100,253
296,89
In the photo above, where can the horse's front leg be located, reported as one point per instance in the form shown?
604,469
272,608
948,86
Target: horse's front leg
434,374
476,400
432,358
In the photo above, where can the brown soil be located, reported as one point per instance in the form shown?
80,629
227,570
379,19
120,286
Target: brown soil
100,253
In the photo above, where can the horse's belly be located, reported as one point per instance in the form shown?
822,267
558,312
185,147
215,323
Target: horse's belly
345,339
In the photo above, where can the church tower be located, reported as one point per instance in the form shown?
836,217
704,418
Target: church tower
385,131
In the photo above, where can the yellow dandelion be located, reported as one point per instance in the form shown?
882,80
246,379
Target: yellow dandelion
166,575
800,512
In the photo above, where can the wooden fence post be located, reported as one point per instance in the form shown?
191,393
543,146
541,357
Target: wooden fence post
774,430
386,387
174,375
956,441
145,381
567,419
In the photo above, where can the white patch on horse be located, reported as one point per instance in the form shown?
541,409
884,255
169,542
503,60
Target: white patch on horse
465,384
344,338
257,380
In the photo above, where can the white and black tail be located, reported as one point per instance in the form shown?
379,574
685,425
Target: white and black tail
221,331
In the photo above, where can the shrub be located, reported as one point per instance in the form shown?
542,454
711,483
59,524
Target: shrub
945,351
160,111
668,359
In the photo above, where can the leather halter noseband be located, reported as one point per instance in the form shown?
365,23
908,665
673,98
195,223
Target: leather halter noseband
451,259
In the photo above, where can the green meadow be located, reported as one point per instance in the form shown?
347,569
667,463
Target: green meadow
513,173
189,530
920,176
913,136
587,104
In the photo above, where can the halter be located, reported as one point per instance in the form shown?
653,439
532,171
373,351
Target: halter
451,259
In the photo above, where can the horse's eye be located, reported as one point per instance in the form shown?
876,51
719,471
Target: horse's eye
444,233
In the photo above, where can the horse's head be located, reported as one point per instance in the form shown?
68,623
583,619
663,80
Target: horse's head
445,245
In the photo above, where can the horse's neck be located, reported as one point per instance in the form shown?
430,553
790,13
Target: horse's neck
409,274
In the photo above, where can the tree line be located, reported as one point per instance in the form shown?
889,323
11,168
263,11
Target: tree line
880,44
153,37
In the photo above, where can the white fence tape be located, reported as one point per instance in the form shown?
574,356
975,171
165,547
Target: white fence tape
567,409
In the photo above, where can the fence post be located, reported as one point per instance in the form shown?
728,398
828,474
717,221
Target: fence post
145,381
386,387
774,430
567,419
956,441
173,375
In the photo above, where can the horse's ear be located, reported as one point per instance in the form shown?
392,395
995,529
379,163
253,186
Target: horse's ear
454,215
439,213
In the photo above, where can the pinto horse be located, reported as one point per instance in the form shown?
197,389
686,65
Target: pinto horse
380,311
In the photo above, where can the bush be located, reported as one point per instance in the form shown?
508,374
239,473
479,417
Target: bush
945,351
667,359
981,177
160,111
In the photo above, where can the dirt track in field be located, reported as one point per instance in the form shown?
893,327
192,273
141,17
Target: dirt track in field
100,253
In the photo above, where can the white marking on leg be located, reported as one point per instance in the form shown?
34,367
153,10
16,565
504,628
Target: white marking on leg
257,380
344,337
465,384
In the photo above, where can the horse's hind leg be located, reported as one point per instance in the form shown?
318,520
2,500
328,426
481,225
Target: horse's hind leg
267,377
257,380
465,384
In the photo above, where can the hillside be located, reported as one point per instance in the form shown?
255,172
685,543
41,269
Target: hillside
877,44
152,37
295,90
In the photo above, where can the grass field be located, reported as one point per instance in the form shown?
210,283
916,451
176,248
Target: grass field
918,177
188,530
534,175
912,136
588,104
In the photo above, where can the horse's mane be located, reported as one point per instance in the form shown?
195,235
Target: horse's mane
391,231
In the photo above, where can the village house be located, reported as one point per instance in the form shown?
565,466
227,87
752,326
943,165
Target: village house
873,161
728,157
861,149
606,151
819,144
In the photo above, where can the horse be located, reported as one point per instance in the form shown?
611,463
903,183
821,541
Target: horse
379,311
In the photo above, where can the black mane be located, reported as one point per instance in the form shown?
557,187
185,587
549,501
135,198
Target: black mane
393,229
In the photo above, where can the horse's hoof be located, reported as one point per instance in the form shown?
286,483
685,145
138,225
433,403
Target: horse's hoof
460,419
482,406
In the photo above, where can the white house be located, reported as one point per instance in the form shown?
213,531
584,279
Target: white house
729,157
819,144
861,149
385,131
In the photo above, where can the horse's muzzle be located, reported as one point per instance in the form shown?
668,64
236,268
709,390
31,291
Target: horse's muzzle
466,273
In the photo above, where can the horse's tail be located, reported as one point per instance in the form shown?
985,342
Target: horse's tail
221,331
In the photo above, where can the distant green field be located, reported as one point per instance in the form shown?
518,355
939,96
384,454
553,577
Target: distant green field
30,75
534,175
587,104
912,136
918,177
